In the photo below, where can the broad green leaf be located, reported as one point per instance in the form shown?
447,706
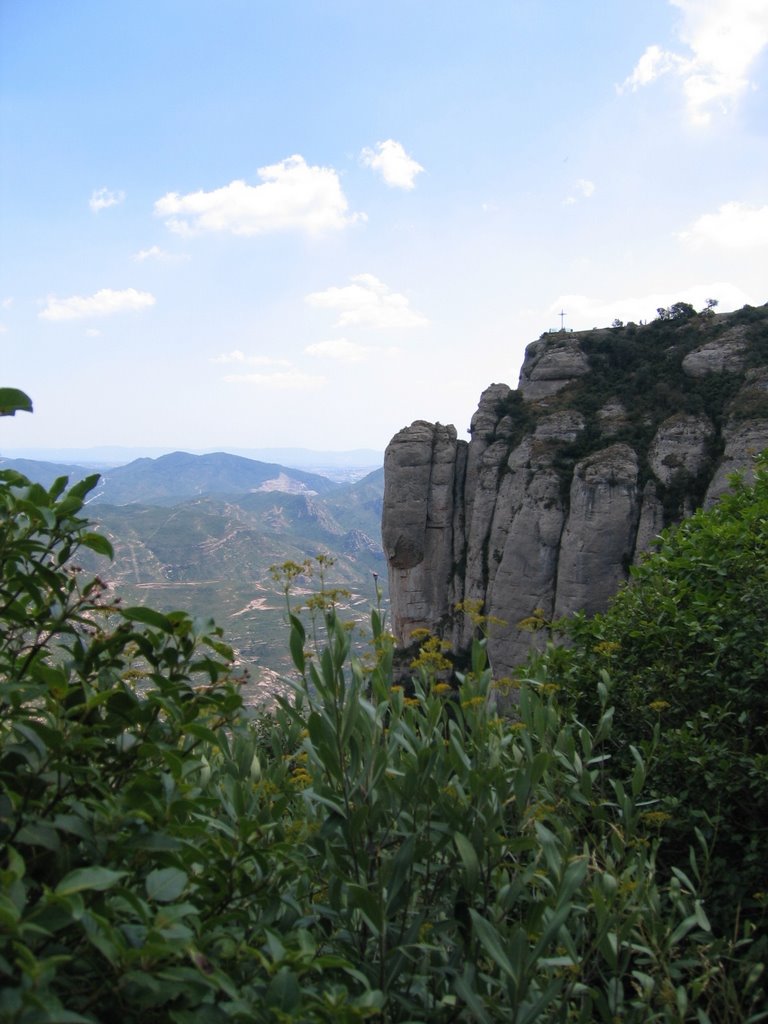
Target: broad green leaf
284,992
369,905
12,401
149,617
98,543
165,884
94,878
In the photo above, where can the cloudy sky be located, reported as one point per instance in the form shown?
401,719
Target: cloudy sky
248,223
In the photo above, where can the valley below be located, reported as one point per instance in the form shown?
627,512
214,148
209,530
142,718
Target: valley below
203,533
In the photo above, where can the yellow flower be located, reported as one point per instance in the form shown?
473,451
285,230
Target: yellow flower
656,818
505,684
420,634
607,647
549,688
300,778
659,705
533,622
431,657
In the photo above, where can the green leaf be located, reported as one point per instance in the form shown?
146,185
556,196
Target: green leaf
284,992
468,859
370,907
165,884
466,987
296,644
492,943
12,401
93,878
98,543
701,917
149,617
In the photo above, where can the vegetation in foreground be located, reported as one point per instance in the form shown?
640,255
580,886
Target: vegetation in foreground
363,853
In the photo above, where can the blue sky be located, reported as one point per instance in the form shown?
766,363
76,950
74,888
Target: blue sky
242,224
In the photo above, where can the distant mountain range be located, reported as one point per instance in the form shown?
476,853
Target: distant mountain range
179,475
174,477
344,465
201,532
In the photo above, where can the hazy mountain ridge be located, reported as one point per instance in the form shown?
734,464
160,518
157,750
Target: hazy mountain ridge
339,466
180,475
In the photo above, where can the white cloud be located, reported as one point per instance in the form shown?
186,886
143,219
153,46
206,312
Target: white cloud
288,381
724,38
654,63
93,332
585,189
293,196
392,162
338,348
347,351
156,253
3,329
734,226
236,356
368,302
6,303
103,198
583,312
103,303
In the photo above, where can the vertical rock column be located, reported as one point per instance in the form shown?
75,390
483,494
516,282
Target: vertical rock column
417,525
599,537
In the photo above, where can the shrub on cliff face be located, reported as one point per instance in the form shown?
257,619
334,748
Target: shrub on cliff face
684,645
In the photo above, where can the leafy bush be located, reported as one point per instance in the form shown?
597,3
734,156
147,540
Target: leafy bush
126,864
684,645
363,853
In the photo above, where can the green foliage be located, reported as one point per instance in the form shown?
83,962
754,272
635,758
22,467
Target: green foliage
12,401
480,869
364,853
642,369
677,311
684,646
143,865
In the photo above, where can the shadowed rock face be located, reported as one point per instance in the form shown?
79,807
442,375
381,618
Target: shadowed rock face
418,524
566,480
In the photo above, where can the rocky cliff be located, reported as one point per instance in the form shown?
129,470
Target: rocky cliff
610,435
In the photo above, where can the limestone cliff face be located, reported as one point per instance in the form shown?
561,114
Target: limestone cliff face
565,481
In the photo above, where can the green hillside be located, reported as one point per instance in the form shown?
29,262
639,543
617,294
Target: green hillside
212,557
170,478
